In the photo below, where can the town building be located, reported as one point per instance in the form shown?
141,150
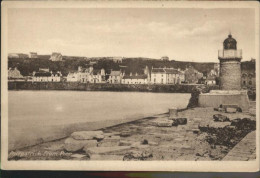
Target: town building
135,79
165,58
56,56
33,55
248,76
192,76
87,75
14,74
167,76
210,80
73,77
116,59
46,76
115,77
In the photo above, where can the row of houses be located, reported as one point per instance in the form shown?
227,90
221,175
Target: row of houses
152,76
91,75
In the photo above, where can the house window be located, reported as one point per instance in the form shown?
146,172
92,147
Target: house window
244,82
250,82
162,80
162,75
155,80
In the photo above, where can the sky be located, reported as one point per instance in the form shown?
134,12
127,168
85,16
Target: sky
181,34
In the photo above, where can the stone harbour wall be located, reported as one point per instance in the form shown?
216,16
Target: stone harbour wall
100,87
230,75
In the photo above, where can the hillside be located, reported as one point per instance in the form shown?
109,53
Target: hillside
27,65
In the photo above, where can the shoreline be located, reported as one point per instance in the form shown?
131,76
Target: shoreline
184,142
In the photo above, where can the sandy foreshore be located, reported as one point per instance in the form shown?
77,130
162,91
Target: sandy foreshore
190,141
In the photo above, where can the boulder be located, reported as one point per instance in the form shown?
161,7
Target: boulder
220,118
125,143
139,145
125,134
231,110
73,145
153,143
196,131
224,106
85,135
109,141
103,150
99,137
144,142
175,122
182,121
163,123
217,125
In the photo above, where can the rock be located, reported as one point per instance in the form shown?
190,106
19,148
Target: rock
137,155
196,131
109,141
85,135
102,150
231,127
139,145
125,134
224,106
163,123
182,121
73,145
220,118
175,122
153,143
244,124
145,142
125,143
99,137
203,127
217,125
231,110
111,134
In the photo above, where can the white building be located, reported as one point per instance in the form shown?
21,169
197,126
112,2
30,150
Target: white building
115,77
73,77
136,79
43,76
33,55
165,58
167,76
14,74
88,75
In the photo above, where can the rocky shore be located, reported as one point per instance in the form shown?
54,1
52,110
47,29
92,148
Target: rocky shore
196,134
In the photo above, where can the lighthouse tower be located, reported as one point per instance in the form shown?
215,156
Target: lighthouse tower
230,92
230,66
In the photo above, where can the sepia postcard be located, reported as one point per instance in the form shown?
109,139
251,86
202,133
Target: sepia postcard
130,86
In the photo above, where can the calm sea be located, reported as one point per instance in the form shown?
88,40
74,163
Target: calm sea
32,113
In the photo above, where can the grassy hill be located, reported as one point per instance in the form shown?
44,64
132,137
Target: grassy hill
71,63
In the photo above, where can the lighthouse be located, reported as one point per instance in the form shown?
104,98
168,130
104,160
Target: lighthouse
229,92
230,65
